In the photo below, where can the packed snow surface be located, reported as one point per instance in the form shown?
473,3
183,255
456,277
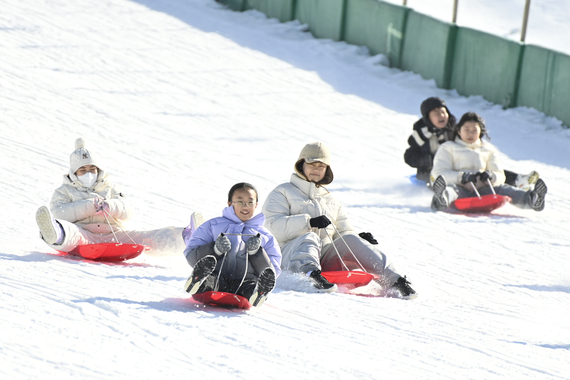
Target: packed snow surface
179,100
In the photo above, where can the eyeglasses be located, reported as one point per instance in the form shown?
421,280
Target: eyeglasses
243,204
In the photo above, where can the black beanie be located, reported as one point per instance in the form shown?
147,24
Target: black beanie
430,104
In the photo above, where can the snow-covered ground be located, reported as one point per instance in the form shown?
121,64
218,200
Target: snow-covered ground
547,22
182,99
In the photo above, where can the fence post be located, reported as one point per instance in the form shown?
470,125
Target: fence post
525,20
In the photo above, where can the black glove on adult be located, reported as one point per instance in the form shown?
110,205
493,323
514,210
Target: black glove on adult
485,175
320,221
368,237
469,177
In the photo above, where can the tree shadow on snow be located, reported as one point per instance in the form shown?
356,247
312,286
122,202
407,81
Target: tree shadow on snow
187,304
544,288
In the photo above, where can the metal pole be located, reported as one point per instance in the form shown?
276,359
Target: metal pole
454,19
525,20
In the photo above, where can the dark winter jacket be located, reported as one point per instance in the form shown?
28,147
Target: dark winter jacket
424,143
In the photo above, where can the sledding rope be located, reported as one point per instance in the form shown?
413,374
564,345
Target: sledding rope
349,250
105,213
475,190
224,260
337,252
491,186
111,227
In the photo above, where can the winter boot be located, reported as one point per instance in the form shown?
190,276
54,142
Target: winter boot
203,268
537,195
196,220
265,284
321,283
50,229
402,285
525,181
439,201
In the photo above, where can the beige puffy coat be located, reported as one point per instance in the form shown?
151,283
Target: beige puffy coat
73,202
290,206
454,158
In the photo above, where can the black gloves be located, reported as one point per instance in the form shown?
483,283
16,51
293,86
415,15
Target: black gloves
485,176
469,177
320,221
368,237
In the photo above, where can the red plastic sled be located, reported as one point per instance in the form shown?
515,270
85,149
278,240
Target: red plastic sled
222,299
484,204
109,251
350,279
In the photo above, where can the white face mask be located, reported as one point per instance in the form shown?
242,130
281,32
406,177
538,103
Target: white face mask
88,179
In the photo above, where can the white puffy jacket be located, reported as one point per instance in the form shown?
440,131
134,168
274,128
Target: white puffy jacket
454,158
74,203
291,205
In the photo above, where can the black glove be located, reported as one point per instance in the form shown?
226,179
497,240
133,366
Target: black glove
368,237
485,176
320,221
469,177
425,161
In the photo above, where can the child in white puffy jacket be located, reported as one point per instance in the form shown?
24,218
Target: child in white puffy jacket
469,161
87,208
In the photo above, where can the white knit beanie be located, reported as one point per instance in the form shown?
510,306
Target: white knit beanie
80,156
316,152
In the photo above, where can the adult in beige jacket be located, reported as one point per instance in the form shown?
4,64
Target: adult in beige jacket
306,219
468,161
78,209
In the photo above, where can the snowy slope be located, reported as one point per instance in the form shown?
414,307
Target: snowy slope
182,99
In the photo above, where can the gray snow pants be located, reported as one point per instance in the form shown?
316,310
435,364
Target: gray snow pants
304,254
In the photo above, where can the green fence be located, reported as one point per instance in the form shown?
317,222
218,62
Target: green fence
487,65
324,17
472,62
283,10
429,48
376,25
545,82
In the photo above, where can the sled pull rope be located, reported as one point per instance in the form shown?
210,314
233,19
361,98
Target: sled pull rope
491,186
337,252
106,213
224,260
347,246
475,190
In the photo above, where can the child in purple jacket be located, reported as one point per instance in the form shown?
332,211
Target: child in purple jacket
234,253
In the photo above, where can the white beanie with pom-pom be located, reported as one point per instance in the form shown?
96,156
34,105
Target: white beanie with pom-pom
80,156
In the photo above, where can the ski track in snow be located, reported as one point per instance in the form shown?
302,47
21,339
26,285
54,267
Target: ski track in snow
180,100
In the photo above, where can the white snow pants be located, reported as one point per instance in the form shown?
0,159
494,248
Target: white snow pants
304,254
163,241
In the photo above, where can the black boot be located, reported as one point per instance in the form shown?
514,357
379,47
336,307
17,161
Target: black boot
321,283
265,284
203,268
402,285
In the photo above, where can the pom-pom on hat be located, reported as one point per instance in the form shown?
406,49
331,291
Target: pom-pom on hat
80,156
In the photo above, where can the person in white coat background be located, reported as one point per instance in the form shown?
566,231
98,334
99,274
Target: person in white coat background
469,161
307,219
87,208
